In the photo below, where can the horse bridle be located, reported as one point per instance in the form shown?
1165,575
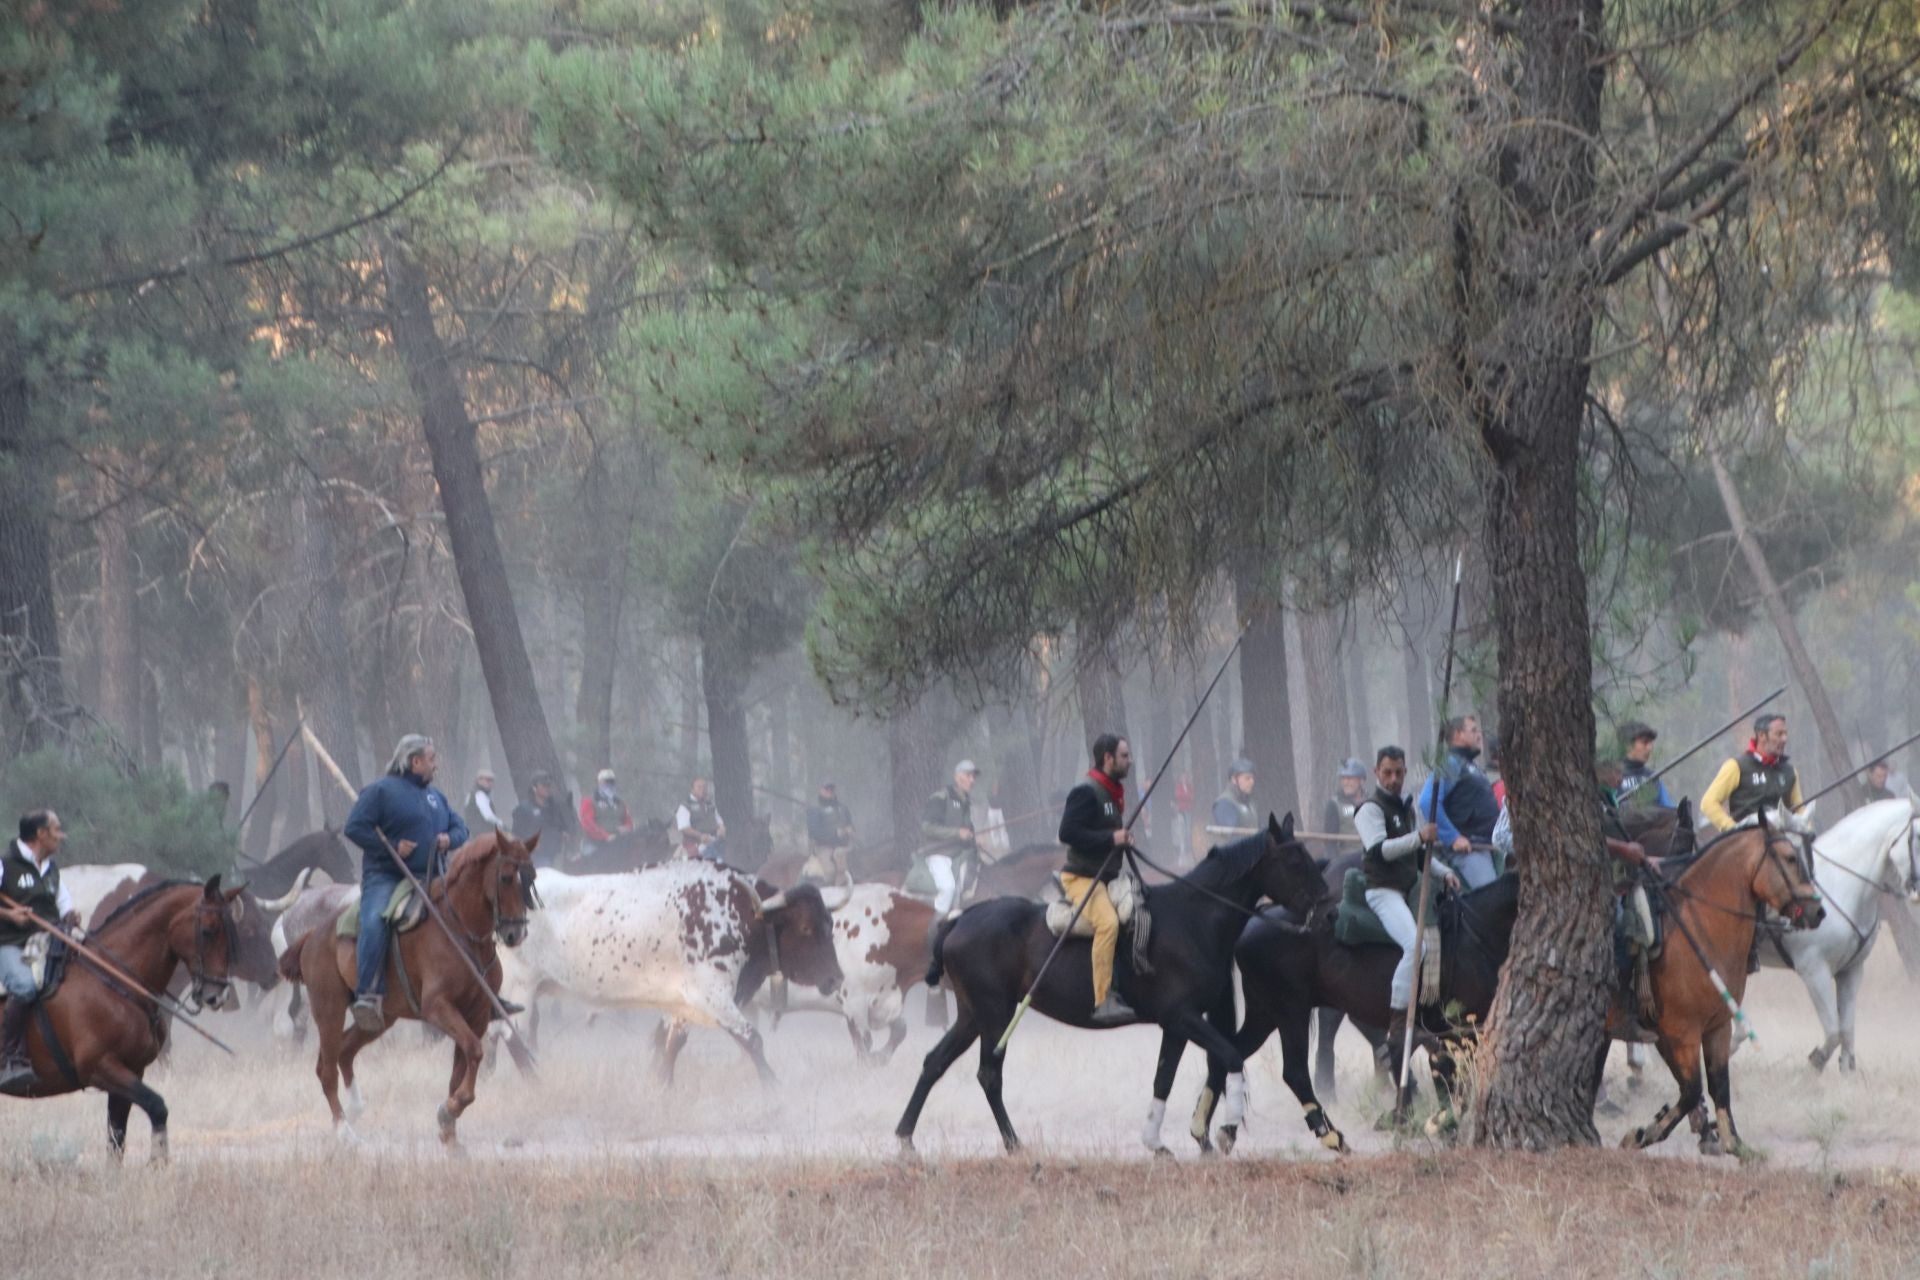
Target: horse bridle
493,905
204,991
1798,901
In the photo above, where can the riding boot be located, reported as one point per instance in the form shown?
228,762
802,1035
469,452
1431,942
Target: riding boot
513,1009
367,1014
1649,1011
1114,1012
16,1071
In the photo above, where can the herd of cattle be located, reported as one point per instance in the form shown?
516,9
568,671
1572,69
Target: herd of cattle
669,937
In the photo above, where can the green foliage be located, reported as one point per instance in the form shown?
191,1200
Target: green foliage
150,817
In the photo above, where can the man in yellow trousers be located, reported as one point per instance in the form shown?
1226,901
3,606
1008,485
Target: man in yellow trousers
1093,827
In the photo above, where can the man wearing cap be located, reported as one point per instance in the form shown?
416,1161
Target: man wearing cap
1761,777
1350,792
538,811
1093,828
1636,771
1233,811
952,849
479,811
698,823
603,815
829,833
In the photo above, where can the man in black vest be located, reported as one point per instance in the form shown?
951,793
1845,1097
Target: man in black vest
540,811
702,833
1394,841
31,881
1093,827
830,834
1761,777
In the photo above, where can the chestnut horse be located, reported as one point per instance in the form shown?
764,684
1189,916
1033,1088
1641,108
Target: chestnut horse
1713,906
485,894
105,1037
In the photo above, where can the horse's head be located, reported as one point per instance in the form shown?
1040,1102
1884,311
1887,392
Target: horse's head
510,893
1781,880
1286,872
1906,860
206,937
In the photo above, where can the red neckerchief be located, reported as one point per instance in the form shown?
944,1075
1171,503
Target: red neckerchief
1753,749
1112,788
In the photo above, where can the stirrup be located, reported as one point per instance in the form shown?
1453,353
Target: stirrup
17,1078
367,1017
1114,1012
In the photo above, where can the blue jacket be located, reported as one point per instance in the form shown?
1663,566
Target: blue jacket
1634,776
403,808
1467,807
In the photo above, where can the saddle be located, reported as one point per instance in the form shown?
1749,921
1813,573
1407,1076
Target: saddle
1356,925
46,958
1123,889
405,910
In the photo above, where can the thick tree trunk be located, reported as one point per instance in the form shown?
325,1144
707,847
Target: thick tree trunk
1362,730
115,638
601,578
29,626
230,760
329,708
1327,716
1832,738
296,771
1415,675
150,743
1103,707
1266,712
1208,769
1546,1028
689,676
266,785
477,557
724,687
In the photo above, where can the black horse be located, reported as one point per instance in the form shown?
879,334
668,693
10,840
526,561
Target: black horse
990,955
322,850
1289,970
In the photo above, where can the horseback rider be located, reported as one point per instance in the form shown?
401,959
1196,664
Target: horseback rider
1632,912
404,816
538,812
953,847
1349,794
1394,840
603,815
830,833
31,880
1233,810
698,822
1636,769
1759,778
1460,803
479,812
1875,787
1093,828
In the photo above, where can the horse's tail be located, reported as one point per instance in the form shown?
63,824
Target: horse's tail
290,962
939,964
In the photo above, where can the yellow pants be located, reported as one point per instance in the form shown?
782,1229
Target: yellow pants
1106,927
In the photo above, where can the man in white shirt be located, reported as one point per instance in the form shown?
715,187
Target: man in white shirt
30,879
480,813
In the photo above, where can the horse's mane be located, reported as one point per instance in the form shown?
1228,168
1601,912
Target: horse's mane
1226,863
136,900
1699,857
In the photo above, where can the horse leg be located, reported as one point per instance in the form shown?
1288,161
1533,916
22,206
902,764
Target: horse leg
1172,1046
1326,1028
119,1107
347,1049
438,1010
124,1086
1819,982
943,1055
1225,1050
991,1063
1683,1060
1848,992
1294,1035
1719,1048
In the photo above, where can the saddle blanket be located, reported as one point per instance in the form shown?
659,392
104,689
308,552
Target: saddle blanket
1356,925
405,910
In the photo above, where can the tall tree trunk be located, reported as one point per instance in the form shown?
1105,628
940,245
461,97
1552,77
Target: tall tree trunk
1832,737
600,609
230,760
1266,710
1208,770
477,558
689,676
324,641
29,626
150,717
1362,730
266,784
1530,385
1328,723
1103,707
780,742
296,771
1415,671
118,645
725,687
1160,733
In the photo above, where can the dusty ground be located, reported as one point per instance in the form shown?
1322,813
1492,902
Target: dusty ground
594,1166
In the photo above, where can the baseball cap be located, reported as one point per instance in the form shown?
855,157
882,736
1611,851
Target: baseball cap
966,766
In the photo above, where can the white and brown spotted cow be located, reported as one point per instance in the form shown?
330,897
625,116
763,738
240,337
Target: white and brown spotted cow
691,939
881,937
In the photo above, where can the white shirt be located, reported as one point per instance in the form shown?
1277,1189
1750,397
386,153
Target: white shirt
62,900
483,801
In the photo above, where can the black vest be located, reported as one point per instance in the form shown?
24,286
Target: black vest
1761,786
702,816
1402,818
38,893
607,813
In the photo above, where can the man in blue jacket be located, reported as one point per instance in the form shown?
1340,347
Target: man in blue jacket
402,815
1459,801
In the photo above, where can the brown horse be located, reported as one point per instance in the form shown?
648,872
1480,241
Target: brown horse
485,894
1713,906
104,1036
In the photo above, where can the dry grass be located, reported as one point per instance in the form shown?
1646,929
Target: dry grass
595,1170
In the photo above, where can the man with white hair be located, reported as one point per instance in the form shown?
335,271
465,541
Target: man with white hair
603,815
401,816
479,811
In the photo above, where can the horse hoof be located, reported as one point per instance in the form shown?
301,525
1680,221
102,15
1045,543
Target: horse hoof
906,1154
356,1105
1819,1059
1162,1153
448,1124
159,1155
1632,1140
1228,1134
1847,1064
1336,1142
347,1137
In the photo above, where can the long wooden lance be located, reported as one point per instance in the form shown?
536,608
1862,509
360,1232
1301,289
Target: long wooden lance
459,947
1026,1001
1713,737
1845,778
1433,812
164,1003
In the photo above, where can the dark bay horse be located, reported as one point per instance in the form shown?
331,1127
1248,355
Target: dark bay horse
253,957
990,955
1715,904
323,850
485,895
106,1036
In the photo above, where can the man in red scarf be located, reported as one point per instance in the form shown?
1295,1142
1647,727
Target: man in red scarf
1093,827
1761,777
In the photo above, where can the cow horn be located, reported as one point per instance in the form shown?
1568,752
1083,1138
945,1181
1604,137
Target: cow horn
774,903
834,899
299,887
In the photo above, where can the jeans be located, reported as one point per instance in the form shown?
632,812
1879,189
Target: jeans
378,879
15,978
1475,869
945,887
1391,906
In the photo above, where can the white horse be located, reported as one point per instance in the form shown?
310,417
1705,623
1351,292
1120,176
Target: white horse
1868,853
